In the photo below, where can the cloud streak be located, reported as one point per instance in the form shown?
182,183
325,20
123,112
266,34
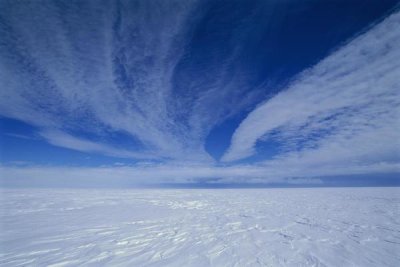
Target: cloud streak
343,111
78,70
64,140
114,66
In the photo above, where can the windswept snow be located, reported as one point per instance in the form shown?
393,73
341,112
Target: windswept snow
266,227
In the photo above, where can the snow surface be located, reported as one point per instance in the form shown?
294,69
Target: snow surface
263,227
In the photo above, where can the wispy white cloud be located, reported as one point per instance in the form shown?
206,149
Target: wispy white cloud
21,136
340,116
97,68
62,139
111,66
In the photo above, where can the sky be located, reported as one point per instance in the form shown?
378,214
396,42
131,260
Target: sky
199,93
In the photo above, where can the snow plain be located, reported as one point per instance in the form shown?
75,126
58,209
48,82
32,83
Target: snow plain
240,227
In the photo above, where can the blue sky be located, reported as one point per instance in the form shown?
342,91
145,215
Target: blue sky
104,93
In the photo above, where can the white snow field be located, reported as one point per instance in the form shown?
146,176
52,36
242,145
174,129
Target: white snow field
238,227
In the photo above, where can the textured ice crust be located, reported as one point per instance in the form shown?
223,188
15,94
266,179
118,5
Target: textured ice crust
268,227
